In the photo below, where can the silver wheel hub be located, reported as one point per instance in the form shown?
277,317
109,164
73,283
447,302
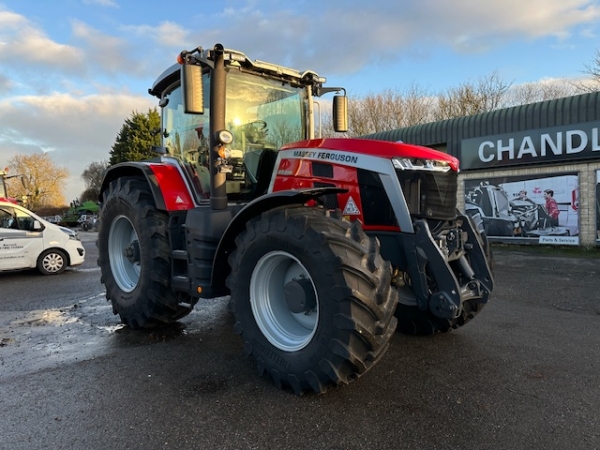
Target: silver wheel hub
53,262
284,301
124,253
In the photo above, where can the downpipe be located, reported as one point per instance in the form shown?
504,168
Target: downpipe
446,270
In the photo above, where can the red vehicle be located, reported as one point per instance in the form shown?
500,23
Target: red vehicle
324,245
3,190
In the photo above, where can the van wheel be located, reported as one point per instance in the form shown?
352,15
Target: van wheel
52,262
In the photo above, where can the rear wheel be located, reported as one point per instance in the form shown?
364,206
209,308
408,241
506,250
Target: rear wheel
134,257
52,262
311,297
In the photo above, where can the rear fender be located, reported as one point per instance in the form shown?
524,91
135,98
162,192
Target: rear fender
169,188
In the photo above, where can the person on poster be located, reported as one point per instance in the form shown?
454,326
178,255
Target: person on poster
522,195
551,207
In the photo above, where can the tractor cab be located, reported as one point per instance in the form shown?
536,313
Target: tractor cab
226,116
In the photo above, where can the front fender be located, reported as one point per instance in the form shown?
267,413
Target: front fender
256,207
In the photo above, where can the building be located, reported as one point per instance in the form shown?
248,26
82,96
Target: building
523,166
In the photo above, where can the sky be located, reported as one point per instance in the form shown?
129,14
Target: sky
72,71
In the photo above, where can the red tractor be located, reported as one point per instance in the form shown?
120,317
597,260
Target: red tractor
3,189
324,245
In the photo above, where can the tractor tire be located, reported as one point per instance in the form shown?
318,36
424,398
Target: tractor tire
134,256
311,297
416,322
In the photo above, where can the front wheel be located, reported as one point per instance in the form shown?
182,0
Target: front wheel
311,297
52,262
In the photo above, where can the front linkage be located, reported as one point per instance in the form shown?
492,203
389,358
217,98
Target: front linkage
449,268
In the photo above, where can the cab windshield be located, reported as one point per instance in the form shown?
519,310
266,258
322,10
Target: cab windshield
263,113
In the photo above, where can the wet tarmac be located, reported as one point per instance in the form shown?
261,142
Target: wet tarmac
522,375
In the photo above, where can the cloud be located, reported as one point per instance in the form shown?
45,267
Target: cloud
6,84
107,3
39,64
21,44
111,55
165,34
74,130
351,35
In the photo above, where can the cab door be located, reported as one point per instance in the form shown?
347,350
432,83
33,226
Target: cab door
20,245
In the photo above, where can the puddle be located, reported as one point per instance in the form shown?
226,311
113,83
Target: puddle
49,317
36,340
111,328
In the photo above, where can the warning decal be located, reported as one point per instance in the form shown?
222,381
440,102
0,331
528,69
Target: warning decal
351,208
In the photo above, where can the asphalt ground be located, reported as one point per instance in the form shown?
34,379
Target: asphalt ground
523,375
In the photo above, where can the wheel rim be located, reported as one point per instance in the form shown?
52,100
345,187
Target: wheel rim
287,330
124,255
53,262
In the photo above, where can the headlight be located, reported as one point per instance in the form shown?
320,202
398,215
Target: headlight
420,164
72,234
224,137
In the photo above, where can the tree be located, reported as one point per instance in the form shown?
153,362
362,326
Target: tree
42,181
136,138
592,69
540,91
486,94
387,110
92,176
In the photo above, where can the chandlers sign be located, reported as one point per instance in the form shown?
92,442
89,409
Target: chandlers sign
569,142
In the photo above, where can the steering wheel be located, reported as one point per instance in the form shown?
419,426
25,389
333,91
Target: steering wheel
255,131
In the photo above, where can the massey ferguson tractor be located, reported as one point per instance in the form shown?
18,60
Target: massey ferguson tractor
3,189
324,245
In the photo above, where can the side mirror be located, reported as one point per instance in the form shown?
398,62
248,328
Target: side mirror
37,226
340,113
191,89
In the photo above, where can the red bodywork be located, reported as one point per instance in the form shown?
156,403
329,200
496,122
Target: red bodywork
3,190
382,149
297,173
174,190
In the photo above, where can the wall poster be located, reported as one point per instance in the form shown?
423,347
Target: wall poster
597,207
528,209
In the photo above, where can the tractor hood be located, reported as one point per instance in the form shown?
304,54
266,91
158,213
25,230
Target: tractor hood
382,149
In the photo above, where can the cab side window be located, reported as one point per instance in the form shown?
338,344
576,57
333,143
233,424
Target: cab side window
7,219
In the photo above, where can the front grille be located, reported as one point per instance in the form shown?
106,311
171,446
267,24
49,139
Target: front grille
429,194
377,209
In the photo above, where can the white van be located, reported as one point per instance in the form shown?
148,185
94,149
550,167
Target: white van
28,241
